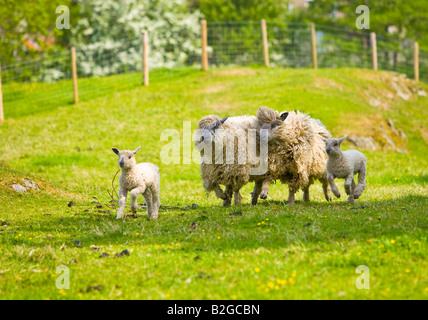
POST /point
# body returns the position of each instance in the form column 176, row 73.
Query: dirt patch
column 325, row 83
column 235, row 72
column 220, row 107
column 213, row 88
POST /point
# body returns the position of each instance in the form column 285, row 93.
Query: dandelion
column 257, row 269
column 263, row 222
column 415, row 242
column 359, row 253
column 407, row 270
column 293, row 274
column 30, row 238
column 277, row 287
column 267, row 290
column 137, row 234
column 177, row 244
column 370, row 240
column 426, row 289
column 20, row 235
column 392, row 241
column 291, row 281
column 267, row 219
column 203, row 230
column 218, row 237
column 62, row 291
column 283, row 282
column 270, row 284
column 387, row 289
column 258, row 223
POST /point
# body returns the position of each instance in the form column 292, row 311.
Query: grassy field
column 271, row 251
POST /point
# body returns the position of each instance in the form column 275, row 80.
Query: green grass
column 272, row 251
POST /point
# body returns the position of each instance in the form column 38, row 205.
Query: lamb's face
column 126, row 158
column 333, row 146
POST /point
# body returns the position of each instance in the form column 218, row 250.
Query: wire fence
column 46, row 83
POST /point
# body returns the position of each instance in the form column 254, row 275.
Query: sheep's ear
column 136, row 150
column 324, row 139
column 284, row 115
column 115, row 150
column 223, row 120
column 341, row 139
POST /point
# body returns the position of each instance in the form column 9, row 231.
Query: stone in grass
column 236, row 213
column 104, row 255
column 94, row 288
column 71, row 204
column 94, row 248
column 18, row 188
column 123, row 253
column 77, row 243
column 31, row 184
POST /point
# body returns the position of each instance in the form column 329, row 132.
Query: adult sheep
column 228, row 154
column 297, row 154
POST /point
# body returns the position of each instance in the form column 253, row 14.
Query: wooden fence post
column 1, row 101
column 74, row 74
column 314, row 46
column 145, row 35
column 204, row 45
column 374, row 49
column 265, row 42
column 416, row 62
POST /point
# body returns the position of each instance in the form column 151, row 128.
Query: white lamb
column 344, row 165
column 142, row 178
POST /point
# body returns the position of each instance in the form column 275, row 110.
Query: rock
column 71, row 203
column 422, row 93
column 94, row 248
column 18, row 188
column 194, row 206
column 401, row 91
column 104, row 255
column 363, row 142
column 236, row 213
column 31, row 184
column 77, row 243
column 94, row 288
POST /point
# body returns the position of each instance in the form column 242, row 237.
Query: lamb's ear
column 115, row 150
column 284, row 115
column 136, row 150
column 223, row 120
column 341, row 139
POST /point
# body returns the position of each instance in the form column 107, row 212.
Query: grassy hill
column 272, row 251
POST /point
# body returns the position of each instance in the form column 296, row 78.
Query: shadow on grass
column 310, row 223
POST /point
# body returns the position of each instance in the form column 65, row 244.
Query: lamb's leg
column 256, row 192
column 155, row 203
column 265, row 188
column 228, row 193
column 361, row 181
column 348, row 188
column 333, row 186
column 306, row 193
column 122, row 202
column 148, row 198
column 134, row 194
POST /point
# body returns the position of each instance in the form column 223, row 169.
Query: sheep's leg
column 148, row 198
column 228, row 192
column 265, row 188
column 291, row 193
column 325, row 188
column 238, row 198
column 306, row 193
column 122, row 202
column 155, row 203
column 134, row 194
column 256, row 192
column 333, row 186
column 218, row 191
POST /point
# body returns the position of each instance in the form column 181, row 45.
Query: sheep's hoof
column 356, row 197
column 290, row 204
column 263, row 196
column 254, row 202
column 226, row 203
column 153, row 217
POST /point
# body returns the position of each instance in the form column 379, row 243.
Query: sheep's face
column 333, row 146
column 126, row 157
column 208, row 134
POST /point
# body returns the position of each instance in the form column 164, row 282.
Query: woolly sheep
column 215, row 133
column 297, row 154
column 344, row 165
column 142, row 178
